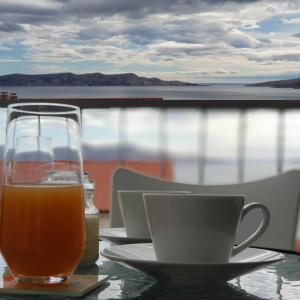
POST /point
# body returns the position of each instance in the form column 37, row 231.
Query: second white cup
column 133, row 211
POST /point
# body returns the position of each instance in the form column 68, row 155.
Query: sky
column 190, row 40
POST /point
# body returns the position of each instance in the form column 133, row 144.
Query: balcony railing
column 212, row 141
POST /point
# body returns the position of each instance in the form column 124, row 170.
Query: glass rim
column 71, row 109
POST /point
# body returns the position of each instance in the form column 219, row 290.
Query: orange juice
column 42, row 229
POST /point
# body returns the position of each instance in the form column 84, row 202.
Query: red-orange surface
column 101, row 172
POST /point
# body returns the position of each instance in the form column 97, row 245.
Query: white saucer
column 142, row 257
column 119, row 236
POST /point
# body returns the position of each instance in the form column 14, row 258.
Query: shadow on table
column 213, row 292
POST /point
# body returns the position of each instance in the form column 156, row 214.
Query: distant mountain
column 89, row 79
column 290, row 83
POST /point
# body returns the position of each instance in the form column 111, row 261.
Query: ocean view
column 212, row 92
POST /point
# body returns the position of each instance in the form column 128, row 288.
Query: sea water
column 212, row 92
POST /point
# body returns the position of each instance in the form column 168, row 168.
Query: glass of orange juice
column 42, row 235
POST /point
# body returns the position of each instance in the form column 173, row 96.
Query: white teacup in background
column 198, row 228
column 133, row 211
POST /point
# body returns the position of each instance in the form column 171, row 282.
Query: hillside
column 90, row 79
column 291, row 83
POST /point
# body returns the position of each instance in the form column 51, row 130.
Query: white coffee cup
column 133, row 211
column 198, row 228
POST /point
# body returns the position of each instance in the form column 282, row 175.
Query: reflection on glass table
column 278, row 281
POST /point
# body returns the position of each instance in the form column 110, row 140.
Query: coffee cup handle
column 259, row 231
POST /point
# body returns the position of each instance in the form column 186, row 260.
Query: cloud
column 239, row 39
column 226, row 72
column 210, row 72
column 4, row 48
column 173, row 39
column 142, row 8
column 8, row 59
column 30, row 11
column 28, row 7
column 287, row 57
column 290, row 57
column 250, row 26
column 10, row 27
column 47, row 69
column 291, row 21
column 176, row 49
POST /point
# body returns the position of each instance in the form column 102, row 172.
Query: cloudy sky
column 191, row 40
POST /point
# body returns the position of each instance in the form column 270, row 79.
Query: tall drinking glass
column 42, row 235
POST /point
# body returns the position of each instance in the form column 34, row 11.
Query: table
column 279, row 281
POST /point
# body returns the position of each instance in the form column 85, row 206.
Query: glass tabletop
column 280, row 281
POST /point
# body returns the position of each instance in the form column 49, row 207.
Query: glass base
column 42, row 279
